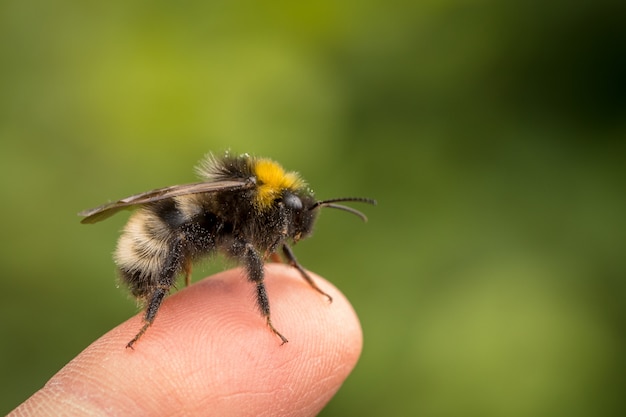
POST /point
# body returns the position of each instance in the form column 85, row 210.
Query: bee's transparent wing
column 107, row 210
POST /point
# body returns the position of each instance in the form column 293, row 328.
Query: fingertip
column 210, row 347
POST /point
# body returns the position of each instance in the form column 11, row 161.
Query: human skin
column 209, row 352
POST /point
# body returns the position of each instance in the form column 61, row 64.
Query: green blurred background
column 490, row 280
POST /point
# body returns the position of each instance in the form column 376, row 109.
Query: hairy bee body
column 247, row 209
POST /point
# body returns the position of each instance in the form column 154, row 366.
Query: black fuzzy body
column 162, row 239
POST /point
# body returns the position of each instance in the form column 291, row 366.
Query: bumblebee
column 245, row 207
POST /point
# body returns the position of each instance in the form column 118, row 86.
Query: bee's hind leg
column 156, row 299
column 175, row 262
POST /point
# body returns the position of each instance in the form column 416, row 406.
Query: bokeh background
column 490, row 280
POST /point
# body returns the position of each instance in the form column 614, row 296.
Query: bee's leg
column 156, row 298
column 165, row 279
column 253, row 263
column 291, row 258
column 274, row 257
column 187, row 268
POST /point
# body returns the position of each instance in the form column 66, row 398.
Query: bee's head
column 297, row 202
column 275, row 185
column 304, row 209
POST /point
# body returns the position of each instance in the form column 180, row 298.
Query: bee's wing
column 107, row 210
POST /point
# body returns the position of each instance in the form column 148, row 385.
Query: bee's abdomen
column 149, row 252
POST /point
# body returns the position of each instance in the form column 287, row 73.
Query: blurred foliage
column 490, row 280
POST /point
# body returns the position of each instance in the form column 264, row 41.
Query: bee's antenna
column 330, row 203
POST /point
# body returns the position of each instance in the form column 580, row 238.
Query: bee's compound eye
column 292, row 201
